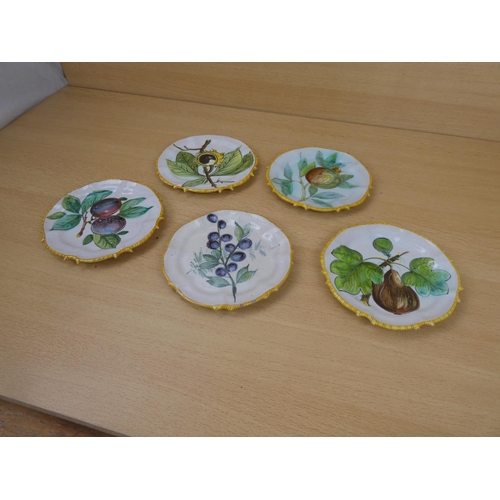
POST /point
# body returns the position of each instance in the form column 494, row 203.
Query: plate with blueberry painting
column 319, row 179
column 102, row 220
column 206, row 164
column 227, row 259
column 394, row 277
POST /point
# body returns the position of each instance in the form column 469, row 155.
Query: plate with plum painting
column 319, row 179
column 206, row 164
column 102, row 220
column 227, row 259
column 394, row 277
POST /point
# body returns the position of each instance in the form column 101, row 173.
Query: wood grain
column 453, row 98
column 20, row 421
column 112, row 345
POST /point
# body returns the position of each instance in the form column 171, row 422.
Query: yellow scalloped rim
column 309, row 207
column 213, row 190
column 113, row 255
column 230, row 307
column 375, row 322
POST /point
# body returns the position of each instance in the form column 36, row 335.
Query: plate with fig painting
column 319, row 179
column 102, row 220
column 394, row 277
column 227, row 259
column 206, row 163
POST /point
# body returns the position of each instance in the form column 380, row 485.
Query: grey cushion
column 24, row 85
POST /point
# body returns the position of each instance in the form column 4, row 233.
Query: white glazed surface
column 351, row 166
column 192, row 238
column 66, row 242
column 361, row 238
column 220, row 143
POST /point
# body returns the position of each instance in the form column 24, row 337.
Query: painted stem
column 85, row 222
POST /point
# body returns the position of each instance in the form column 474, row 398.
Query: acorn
column 106, row 207
column 393, row 296
column 325, row 178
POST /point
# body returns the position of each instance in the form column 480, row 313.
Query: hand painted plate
column 102, row 220
column 227, row 259
column 206, row 164
column 319, row 179
column 395, row 278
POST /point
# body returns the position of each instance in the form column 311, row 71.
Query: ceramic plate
column 397, row 279
column 206, row 163
column 102, row 220
column 319, row 179
column 227, row 259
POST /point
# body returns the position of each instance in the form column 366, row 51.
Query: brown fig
column 325, row 178
column 393, row 296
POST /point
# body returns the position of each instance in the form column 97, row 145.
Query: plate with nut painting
column 206, row 164
column 319, row 179
column 102, row 220
column 394, row 277
column 227, row 260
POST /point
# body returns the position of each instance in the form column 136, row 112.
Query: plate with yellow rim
column 102, row 220
column 394, row 277
column 206, row 164
column 227, row 259
column 324, row 180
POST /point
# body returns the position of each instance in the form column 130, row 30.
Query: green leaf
column 302, row 163
column 187, row 159
column 320, row 160
column 217, row 254
column 123, row 233
column 346, row 254
column 230, row 163
column 123, row 198
column 195, row 182
column 88, row 239
column 288, row 172
column 354, row 275
column 245, row 163
column 94, row 197
column 238, row 232
column 286, row 188
column 321, row 203
column 383, row 245
column 71, row 203
column 208, row 265
column 244, row 275
column 331, row 160
column 106, row 241
column 131, row 203
column 328, row 196
column 312, row 189
column 346, row 177
column 67, row 222
column 56, row 215
column 183, row 169
column 277, row 181
column 218, row 282
column 346, row 185
column 425, row 279
column 134, row 212
column 211, row 258
column 307, row 168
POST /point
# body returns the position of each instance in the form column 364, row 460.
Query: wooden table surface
column 110, row 344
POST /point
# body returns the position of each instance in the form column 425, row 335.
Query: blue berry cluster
column 218, row 241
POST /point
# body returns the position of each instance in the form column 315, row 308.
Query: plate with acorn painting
column 227, row 259
column 319, row 179
column 206, row 164
column 394, row 277
column 102, row 220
